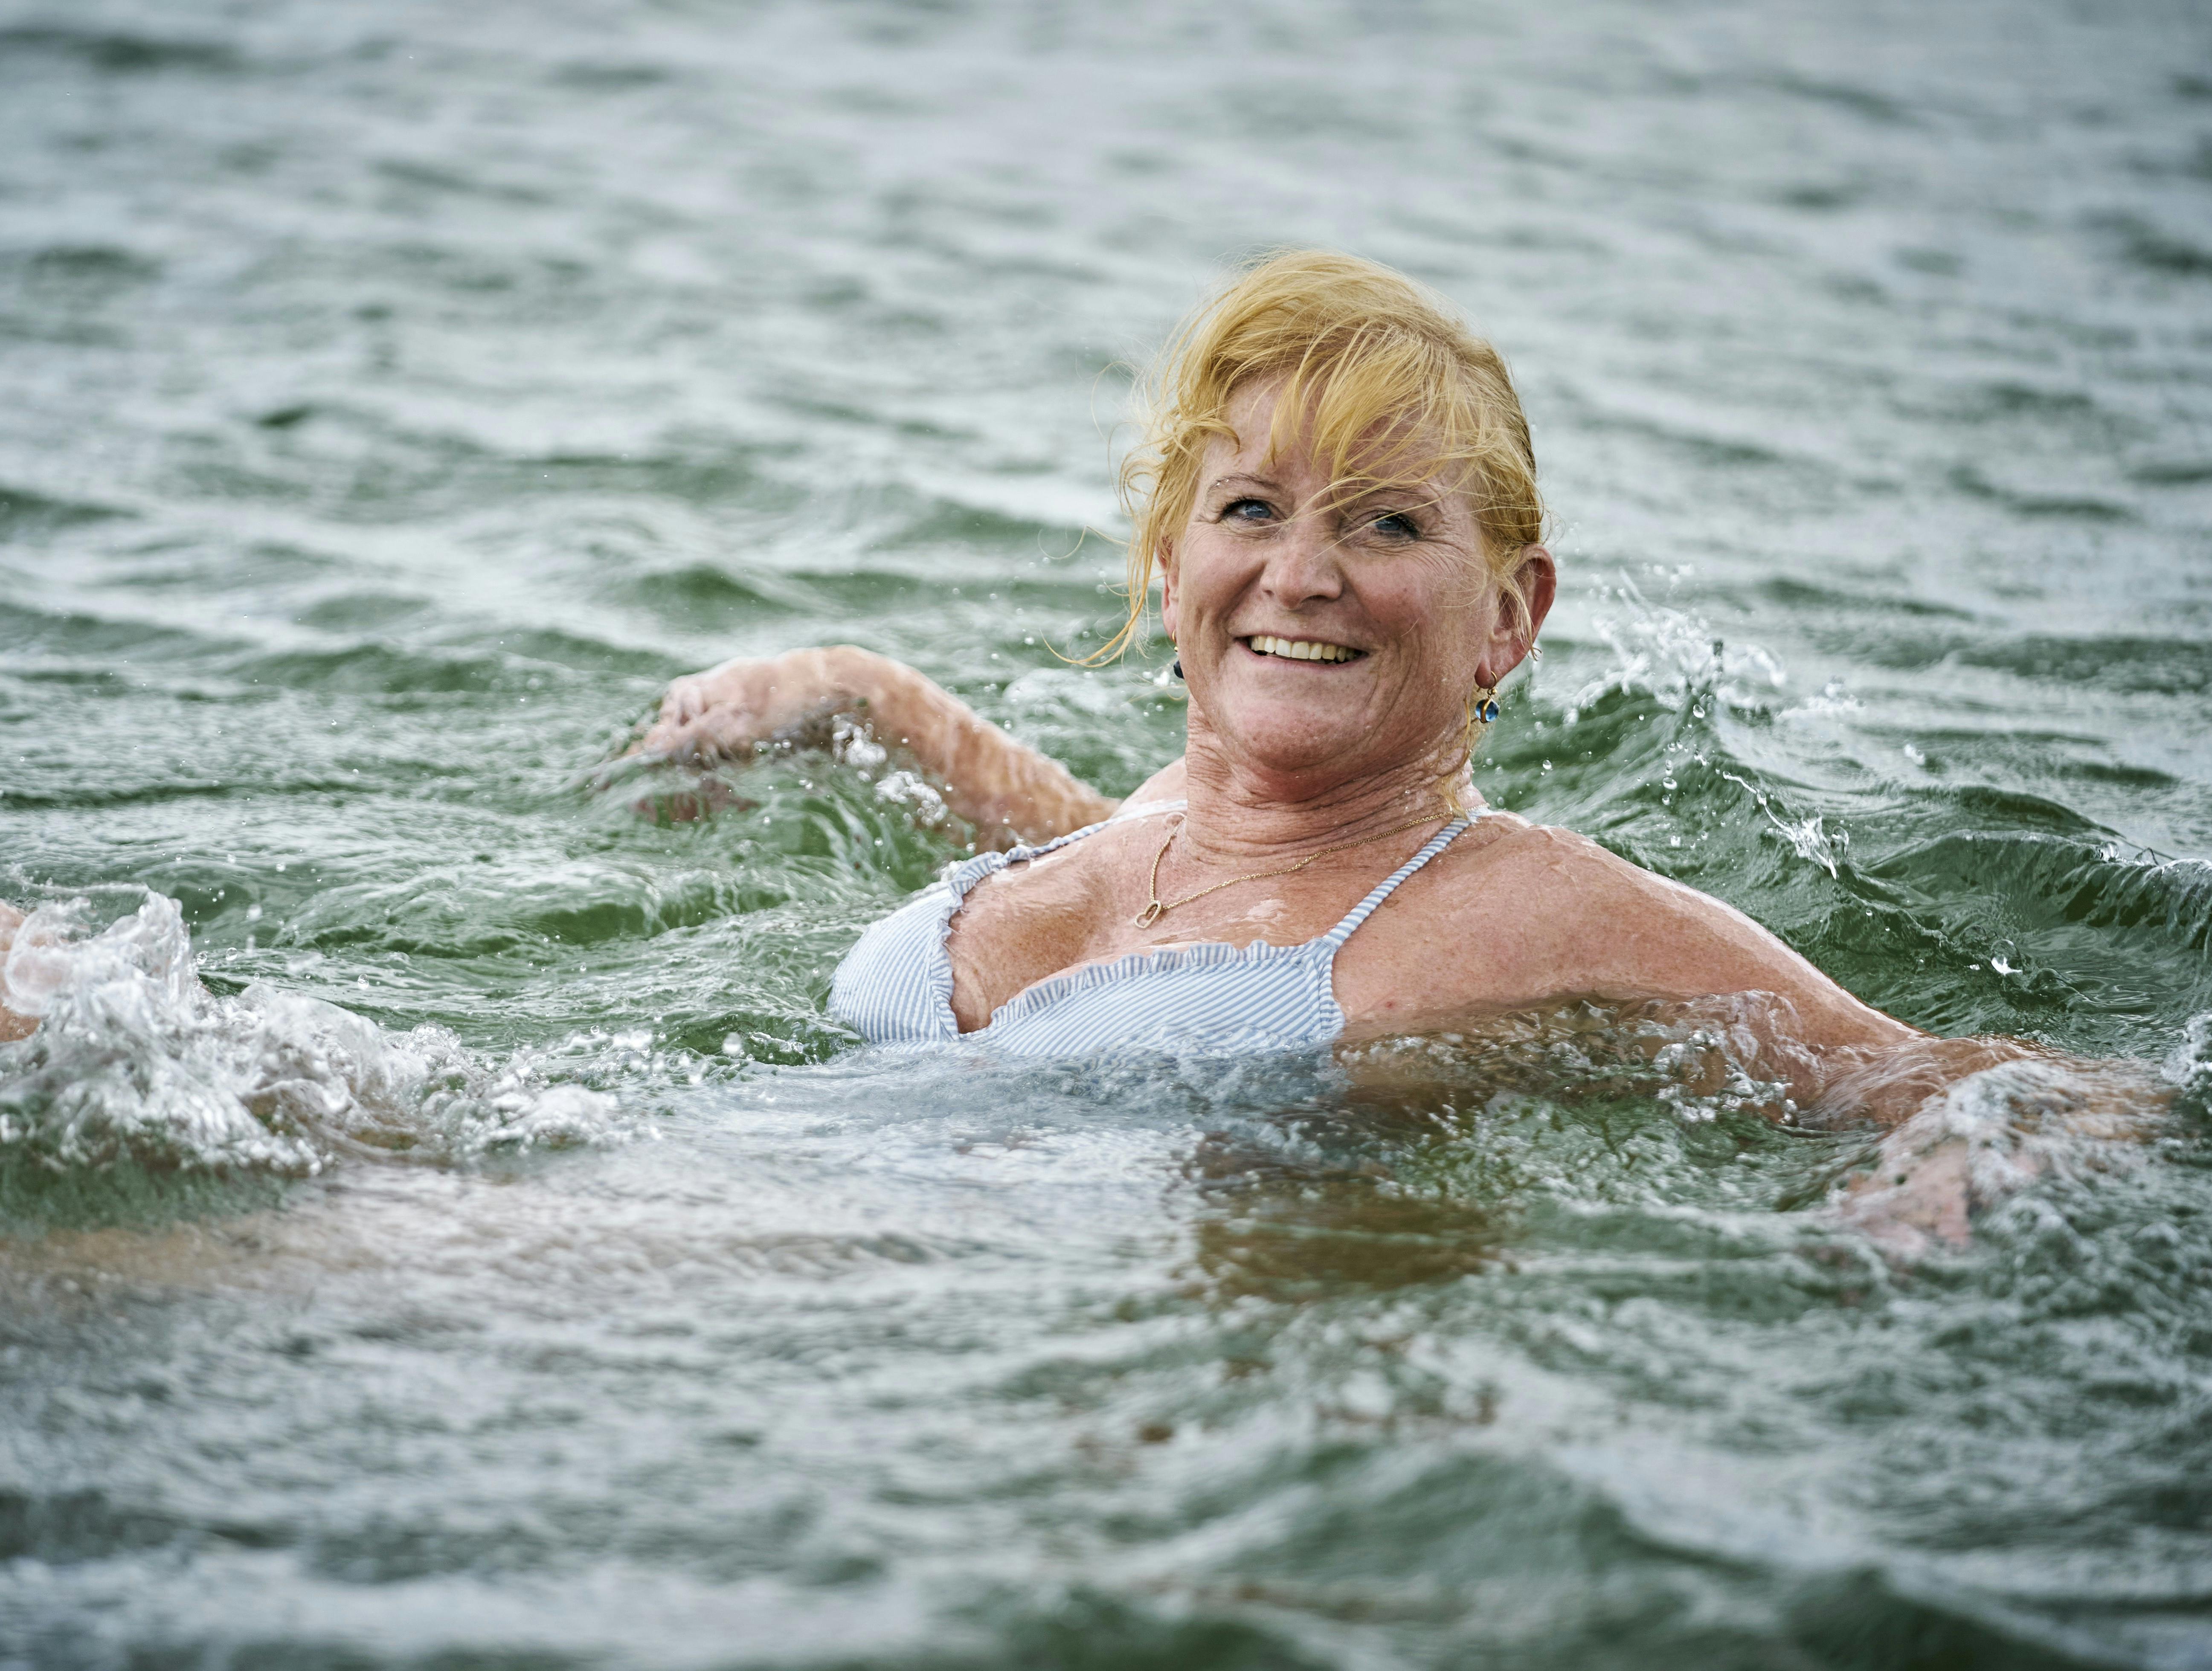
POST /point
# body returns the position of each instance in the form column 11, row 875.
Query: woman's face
column 1329, row 638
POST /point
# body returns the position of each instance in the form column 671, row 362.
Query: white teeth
column 1300, row 649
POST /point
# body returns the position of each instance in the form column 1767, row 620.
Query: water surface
column 508, row 1262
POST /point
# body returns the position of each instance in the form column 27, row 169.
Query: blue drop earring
column 1178, row 668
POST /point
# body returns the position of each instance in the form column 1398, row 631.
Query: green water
column 508, row 1262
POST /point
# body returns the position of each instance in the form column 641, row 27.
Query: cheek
column 1451, row 631
column 1200, row 585
column 1437, row 615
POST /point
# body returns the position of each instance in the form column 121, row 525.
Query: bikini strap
column 1436, row 844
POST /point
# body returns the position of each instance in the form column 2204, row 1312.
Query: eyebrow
column 1239, row 475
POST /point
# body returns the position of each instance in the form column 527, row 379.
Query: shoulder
column 1520, row 915
column 1561, row 913
column 1576, row 885
column 1512, row 915
column 1505, row 848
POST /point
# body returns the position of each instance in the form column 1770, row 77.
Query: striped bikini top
column 895, row 987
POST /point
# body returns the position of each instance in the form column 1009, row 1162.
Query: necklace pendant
column 1151, row 915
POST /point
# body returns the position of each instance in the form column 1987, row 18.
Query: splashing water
column 1672, row 656
column 1987, row 1137
column 134, row 1060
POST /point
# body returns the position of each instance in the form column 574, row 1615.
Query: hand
column 1986, row 1135
column 724, row 712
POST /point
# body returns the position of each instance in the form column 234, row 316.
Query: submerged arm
column 993, row 782
column 1585, row 925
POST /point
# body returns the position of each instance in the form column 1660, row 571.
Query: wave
column 703, row 593
column 24, row 514
column 2132, row 663
column 76, row 643
column 2051, row 881
column 976, row 527
column 134, row 1063
column 378, row 666
column 2153, row 249
column 120, row 51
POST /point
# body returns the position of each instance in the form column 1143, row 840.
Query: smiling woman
column 1337, row 490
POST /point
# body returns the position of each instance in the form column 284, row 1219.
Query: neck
column 1242, row 811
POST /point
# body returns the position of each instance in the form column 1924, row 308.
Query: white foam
column 134, row 1060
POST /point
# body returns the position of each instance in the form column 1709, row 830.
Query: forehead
column 1251, row 411
column 1251, row 414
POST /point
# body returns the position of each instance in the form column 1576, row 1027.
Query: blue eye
column 1246, row 510
column 1398, row 524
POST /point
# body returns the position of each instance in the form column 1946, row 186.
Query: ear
column 1168, row 614
column 1540, row 584
column 1539, row 578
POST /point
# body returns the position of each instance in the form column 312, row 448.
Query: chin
column 1296, row 744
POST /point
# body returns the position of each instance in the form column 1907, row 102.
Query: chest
column 1083, row 904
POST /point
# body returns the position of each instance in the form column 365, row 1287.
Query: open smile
column 1300, row 649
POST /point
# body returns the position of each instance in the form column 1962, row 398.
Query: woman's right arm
column 987, row 778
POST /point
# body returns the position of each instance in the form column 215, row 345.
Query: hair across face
column 1379, row 378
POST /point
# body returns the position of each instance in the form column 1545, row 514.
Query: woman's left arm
column 1598, row 926
column 1967, row 1119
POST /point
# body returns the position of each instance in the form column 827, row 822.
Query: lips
column 1300, row 649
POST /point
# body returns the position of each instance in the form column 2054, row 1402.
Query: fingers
column 686, row 699
column 697, row 710
column 1913, row 1200
column 723, row 712
column 754, row 685
column 720, row 733
column 1986, row 1135
column 12, row 1025
column 726, row 709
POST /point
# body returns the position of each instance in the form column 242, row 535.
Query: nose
column 1303, row 563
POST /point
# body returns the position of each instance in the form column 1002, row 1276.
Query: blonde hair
column 1392, row 387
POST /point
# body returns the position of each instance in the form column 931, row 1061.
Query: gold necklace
column 1159, row 907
